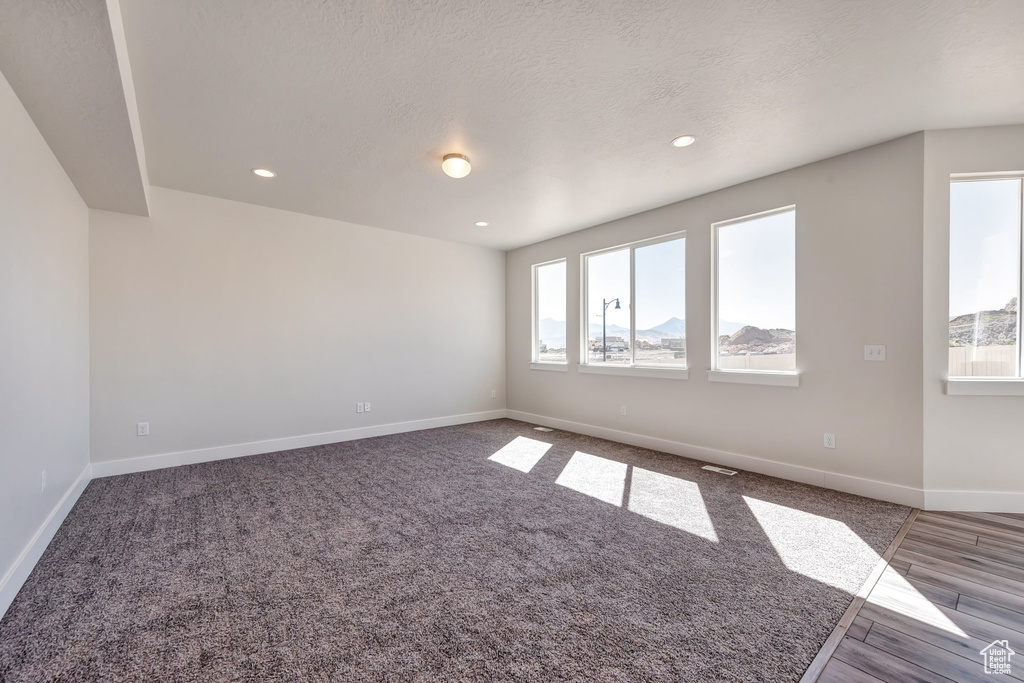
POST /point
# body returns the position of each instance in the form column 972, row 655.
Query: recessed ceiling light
column 264, row 172
column 481, row 224
column 684, row 141
column 456, row 165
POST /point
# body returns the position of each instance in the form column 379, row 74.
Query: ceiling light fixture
column 456, row 165
column 684, row 141
column 264, row 172
column 481, row 224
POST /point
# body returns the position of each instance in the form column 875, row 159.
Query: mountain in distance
column 552, row 332
column 985, row 328
column 612, row 330
column 730, row 328
column 673, row 327
column 751, row 340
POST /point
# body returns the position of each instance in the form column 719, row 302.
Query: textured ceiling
column 66, row 60
column 566, row 107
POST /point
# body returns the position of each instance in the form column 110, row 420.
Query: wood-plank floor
column 954, row 585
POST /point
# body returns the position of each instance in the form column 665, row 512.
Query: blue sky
column 984, row 247
column 757, row 266
column 551, row 286
column 757, row 271
column 660, row 284
column 757, row 274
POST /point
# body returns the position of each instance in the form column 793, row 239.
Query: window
column 549, row 312
column 635, row 305
column 985, row 277
column 755, row 293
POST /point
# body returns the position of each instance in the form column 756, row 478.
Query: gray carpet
column 415, row 557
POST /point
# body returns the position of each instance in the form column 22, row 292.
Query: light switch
column 874, row 352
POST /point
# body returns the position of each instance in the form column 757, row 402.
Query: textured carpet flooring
column 420, row 557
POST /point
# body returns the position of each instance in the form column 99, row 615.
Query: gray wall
column 44, row 331
column 224, row 323
column 859, row 281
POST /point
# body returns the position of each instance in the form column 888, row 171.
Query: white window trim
column 766, row 377
column 631, row 369
column 788, row 378
column 550, row 365
column 974, row 386
column 634, row 371
column 995, row 386
column 535, row 317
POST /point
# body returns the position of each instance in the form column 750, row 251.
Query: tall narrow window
column 549, row 312
column 985, row 277
column 755, row 293
column 635, row 304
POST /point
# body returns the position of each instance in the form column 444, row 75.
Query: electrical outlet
column 830, row 441
column 360, row 407
column 494, row 393
column 142, row 429
column 367, row 408
column 622, row 410
column 42, row 481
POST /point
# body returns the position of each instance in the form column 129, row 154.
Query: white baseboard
column 987, row 501
column 974, row 501
column 880, row 490
column 868, row 488
column 16, row 576
column 111, row 468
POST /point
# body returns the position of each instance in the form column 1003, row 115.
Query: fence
column 983, row 361
column 782, row 361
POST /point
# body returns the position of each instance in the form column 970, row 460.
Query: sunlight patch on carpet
column 521, row 453
column 808, row 543
column 595, row 476
column 672, row 501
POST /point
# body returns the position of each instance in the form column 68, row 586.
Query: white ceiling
column 566, row 107
column 66, row 62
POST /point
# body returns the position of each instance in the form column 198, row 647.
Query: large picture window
column 755, row 293
column 985, row 277
column 634, row 311
column 549, row 312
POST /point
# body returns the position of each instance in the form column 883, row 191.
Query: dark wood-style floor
column 954, row 585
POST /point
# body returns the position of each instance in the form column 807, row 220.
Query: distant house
column 614, row 344
column 675, row 344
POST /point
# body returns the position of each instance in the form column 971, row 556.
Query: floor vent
column 543, row 429
column 720, row 470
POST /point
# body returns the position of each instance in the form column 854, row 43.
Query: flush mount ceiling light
column 481, row 224
column 456, row 165
column 684, row 141
column 264, row 172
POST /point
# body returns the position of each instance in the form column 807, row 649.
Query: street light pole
column 604, row 325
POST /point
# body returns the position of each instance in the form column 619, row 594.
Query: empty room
column 486, row 341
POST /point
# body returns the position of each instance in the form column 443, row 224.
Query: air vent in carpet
column 720, row 470
column 544, row 429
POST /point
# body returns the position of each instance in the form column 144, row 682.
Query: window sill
column 1012, row 386
column 777, row 379
column 634, row 371
column 550, row 367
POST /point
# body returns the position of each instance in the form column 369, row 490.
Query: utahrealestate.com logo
column 997, row 657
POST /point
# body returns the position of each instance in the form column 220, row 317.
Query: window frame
column 535, row 325
column 968, row 385
column 632, row 368
column 788, row 378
